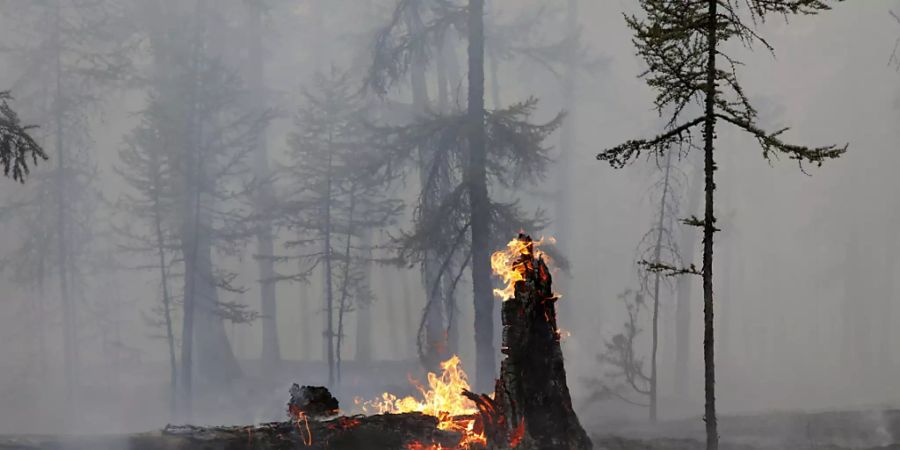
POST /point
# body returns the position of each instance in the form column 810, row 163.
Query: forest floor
column 850, row 430
column 138, row 404
column 845, row 430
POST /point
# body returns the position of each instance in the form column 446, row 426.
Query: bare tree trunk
column 445, row 63
column 567, row 147
column 203, row 328
column 495, row 82
column 709, row 223
column 343, row 306
column 686, row 245
column 657, row 254
column 167, row 299
column 407, row 318
column 189, row 243
column 434, row 341
column 364, row 309
column 329, row 293
column 70, row 337
column 271, row 353
column 476, row 179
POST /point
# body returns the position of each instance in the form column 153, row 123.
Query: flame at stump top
column 515, row 261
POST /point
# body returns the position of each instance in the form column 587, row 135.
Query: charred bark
column 532, row 401
column 382, row 432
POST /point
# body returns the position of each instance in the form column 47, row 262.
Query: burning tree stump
column 532, row 408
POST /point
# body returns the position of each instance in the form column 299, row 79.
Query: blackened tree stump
column 532, row 406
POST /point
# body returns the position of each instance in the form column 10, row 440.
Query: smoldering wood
column 313, row 401
column 380, row 432
column 532, row 407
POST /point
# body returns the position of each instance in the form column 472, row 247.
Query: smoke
column 806, row 268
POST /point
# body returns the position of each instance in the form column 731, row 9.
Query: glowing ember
column 512, row 263
column 302, row 423
column 420, row 446
column 442, row 399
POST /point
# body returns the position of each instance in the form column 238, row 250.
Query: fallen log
column 379, row 432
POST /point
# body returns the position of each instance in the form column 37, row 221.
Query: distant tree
column 683, row 43
column 659, row 248
column 687, row 244
column 475, row 176
column 459, row 155
column 150, row 214
column 66, row 56
column 627, row 379
column 255, row 12
column 335, row 196
column 418, row 32
column 196, row 107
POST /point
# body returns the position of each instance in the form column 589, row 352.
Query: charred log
column 381, row 432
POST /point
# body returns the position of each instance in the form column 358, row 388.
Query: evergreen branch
column 771, row 143
column 621, row 155
column 669, row 270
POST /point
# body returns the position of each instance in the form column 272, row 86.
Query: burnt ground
column 857, row 430
column 140, row 406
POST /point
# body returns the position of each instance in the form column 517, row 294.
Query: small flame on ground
column 509, row 265
column 442, row 399
column 303, row 422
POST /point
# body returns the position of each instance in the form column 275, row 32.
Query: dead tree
column 532, row 408
column 628, row 380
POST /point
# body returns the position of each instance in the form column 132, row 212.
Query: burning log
column 379, row 432
column 532, row 408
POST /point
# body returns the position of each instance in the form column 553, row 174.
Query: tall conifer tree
column 683, row 44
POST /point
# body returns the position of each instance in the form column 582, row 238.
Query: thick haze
column 806, row 273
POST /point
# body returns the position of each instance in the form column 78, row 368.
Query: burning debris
column 443, row 399
column 315, row 402
column 532, row 408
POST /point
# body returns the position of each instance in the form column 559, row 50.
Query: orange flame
column 303, row 422
column 516, row 438
column 442, row 399
column 510, row 265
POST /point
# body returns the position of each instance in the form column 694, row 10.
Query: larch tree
column 417, row 34
column 196, row 105
column 148, row 229
column 66, row 55
column 683, row 45
column 470, row 152
column 659, row 248
column 255, row 74
column 475, row 180
column 334, row 197
column 626, row 378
